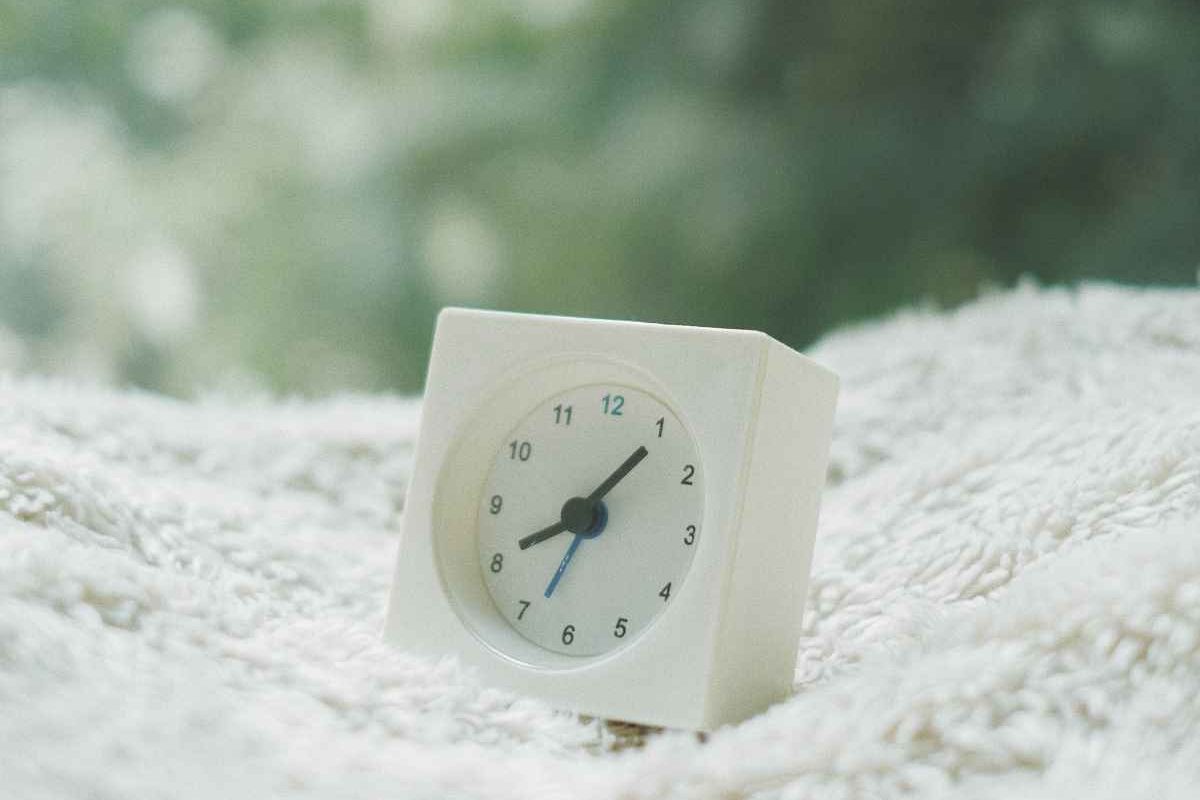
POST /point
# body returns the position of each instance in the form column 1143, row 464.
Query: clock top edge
column 454, row 313
column 454, row 317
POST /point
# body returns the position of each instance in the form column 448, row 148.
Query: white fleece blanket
column 1005, row 598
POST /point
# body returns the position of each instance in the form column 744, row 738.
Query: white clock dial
column 602, row 484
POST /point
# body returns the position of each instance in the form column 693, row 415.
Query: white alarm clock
column 616, row 517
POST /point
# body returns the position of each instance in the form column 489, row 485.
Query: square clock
column 616, row 517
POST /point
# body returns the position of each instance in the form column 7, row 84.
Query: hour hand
column 542, row 535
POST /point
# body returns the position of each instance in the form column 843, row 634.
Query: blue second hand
column 562, row 567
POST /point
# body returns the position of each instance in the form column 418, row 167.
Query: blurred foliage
column 283, row 194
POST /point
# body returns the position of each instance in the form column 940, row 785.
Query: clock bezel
column 463, row 477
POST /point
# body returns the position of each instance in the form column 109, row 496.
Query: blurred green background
column 280, row 195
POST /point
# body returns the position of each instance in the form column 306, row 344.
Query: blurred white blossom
column 63, row 170
column 162, row 292
column 462, row 252
column 173, row 54
column 303, row 95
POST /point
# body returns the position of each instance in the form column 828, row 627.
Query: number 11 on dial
column 589, row 518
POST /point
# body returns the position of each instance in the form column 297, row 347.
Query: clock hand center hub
column 584, row 517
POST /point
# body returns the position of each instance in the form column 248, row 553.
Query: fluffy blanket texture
column 1005, row 598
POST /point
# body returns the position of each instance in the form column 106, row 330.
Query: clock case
column 761, row 414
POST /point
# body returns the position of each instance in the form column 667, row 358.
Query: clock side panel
column 776, row 532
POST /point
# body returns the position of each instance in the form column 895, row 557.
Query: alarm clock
column 616, row 517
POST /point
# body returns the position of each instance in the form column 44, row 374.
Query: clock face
column 589, row 518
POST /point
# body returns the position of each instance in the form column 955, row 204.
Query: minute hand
column 619, row 473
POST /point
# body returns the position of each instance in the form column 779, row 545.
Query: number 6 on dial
column 616, row 517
